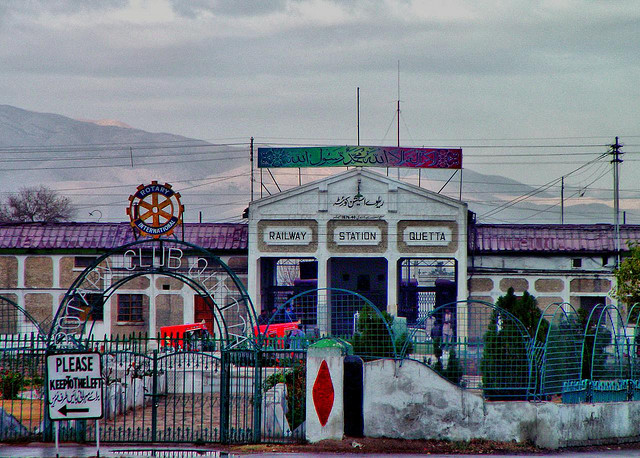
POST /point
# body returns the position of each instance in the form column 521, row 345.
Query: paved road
column 48, row 450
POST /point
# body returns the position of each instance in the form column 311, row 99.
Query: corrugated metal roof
column 100, row 236
column 486, row 238
column 550, row 237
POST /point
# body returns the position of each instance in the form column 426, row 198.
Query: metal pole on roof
column 562, row 202
column 251, row 161
column 615, row 151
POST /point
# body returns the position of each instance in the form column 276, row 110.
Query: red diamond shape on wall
column 323, row 393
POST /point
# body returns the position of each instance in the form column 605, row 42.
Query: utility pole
column 251, row 161
column 616, row 153
column 562, row 202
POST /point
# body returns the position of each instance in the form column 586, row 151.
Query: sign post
column 74, row 387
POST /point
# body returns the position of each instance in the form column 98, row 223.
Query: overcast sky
column 536, row 74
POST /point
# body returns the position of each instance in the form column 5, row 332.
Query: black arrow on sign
column 64, row 409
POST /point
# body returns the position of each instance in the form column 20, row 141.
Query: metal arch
column 603, row 311
column 633, row 344
column 366, row 303
column 559, row 306
column 243, row 299
column 564, row 310
column 108, row 292
column 30, row 318
column 527, row 340
column 421, row 323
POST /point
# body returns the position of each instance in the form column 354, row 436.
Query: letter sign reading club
column 74, row 386
column 287, row 235
column 427, row 236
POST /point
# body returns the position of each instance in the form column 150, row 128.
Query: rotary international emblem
column 155, row 209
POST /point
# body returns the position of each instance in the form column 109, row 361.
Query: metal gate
column 155, row 393
column 263, row 395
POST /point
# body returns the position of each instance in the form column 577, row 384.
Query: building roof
column 101, row 236
column 484, row 238
column 588, row 238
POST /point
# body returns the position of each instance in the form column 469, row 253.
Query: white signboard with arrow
column 74, row 386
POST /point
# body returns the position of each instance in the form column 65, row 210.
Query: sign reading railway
column 74, row 386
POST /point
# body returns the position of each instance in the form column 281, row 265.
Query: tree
column 506, row 363
column 36, row 204
column 628, row 279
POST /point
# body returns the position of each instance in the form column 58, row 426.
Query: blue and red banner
column 360, row 156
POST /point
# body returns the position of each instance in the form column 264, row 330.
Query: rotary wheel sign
column 155, row 209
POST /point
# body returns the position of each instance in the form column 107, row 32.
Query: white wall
column 411, row 401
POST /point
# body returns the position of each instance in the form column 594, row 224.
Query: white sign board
column 427, row 236
column 288, row 235
column 357, row 235
column 74, row 386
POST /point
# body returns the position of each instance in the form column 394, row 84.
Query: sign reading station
column 74, row 386
column 288, row 235
column 357, row 235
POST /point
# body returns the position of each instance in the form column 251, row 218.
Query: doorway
column 365, row 276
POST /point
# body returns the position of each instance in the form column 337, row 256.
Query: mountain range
column 99, row 163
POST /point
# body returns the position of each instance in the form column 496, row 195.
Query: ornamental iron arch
column 475, row 345
column 605, row 347
column 632, row 328
column 15, row 320
column 232, row 314
column 330, row 312
column 559, row 337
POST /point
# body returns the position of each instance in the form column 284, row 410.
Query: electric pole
column 616, row 161
column 251, row 162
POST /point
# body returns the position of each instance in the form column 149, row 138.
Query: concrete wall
column 411, row 401
column 551, row 279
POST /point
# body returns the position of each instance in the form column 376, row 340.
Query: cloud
column 289, row 69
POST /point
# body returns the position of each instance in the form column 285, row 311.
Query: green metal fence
column 263, row 395
column 22, row 374
column 166, row 390
column 253, row 390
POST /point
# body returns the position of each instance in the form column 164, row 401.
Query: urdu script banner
column 360, row 156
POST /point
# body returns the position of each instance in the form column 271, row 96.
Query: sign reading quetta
column 427, row 236
column 360, row 156
column 74, row 386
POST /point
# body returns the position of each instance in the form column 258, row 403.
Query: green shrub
column 505, row 364
column 295, row 379
column 11, row 383
column 373, row 338
column 454, row 371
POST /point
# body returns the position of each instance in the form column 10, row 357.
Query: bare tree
column 39, row 204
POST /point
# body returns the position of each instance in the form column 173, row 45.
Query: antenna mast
column 398, row 112
column 358, row 113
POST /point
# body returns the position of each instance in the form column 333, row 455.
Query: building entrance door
column 365, row 276
column 202, row 311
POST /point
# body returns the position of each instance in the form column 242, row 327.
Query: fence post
column 224, row 396
column 154, row 397
column 257, row 397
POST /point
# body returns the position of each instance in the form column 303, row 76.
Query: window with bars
column 130, row 307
